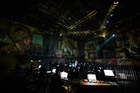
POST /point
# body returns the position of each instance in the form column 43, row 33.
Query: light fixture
column 103, row 34
column 111, row 15
column 116, row 3
column 113, row 35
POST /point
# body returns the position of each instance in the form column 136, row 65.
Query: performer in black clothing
column 127, row 53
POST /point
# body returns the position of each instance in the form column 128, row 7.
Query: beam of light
column 105, row 42
column 87, row 17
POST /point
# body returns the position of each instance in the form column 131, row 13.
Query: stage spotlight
column 113, row 35
column 111, row 15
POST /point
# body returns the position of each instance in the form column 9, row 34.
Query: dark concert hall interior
column 70, row 46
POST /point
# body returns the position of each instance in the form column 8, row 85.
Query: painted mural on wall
column 68, row 47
